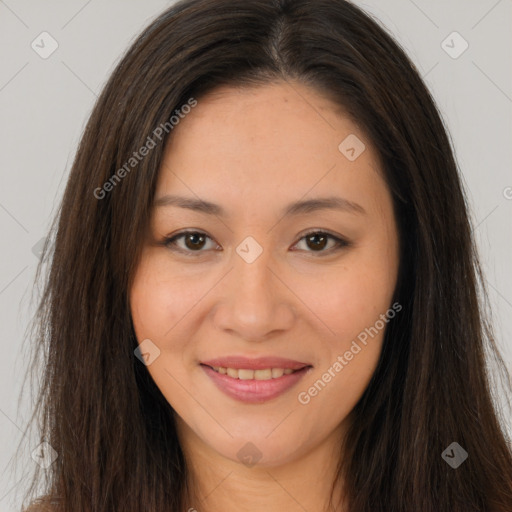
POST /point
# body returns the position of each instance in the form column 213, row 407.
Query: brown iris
column 318, row 241
column 194, row 241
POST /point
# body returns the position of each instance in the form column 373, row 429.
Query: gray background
column 44, row 104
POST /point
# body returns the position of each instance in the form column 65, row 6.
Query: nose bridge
column 252, row 275
column 253, row 282
column 254, row 302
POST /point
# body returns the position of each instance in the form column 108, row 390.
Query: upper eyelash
column 339, row 241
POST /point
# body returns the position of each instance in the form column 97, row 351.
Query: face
column 264, row 323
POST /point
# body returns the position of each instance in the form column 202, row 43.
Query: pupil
column 316, row 244
column 195, row 239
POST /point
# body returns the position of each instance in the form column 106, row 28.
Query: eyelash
column 171, row 241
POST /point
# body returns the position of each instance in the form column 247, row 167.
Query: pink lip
column 252, row 390
column 259, row 363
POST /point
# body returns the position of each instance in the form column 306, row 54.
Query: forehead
column 283, row 118
column 281, row 138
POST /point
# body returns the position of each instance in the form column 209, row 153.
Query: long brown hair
column 98, row 407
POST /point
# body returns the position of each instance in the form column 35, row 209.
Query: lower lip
column 254, row 391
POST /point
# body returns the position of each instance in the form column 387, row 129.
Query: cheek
column 351, row 297
column 160, row 299
column 352, row 307
column 159, row 304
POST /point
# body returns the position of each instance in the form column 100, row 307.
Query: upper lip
column 258, row 363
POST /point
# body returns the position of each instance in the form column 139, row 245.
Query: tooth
column 232, row 372
column 263, row 374
column 277, row 372
column 248, row 374
column 244, row 374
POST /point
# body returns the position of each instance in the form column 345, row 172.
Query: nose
column 254, row 303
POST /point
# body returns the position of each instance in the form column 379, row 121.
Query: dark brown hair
column 98, row 407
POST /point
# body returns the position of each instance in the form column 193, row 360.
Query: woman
column 264, row 291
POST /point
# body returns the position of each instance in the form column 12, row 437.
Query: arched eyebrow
column 296, row 208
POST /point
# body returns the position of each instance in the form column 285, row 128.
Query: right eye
column 188, row 242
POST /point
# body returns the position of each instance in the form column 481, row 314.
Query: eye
column 317, row 241
column 194, row 241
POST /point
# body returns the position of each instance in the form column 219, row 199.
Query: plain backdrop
column 44, row 104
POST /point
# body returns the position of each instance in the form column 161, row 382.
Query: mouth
column 254, row 380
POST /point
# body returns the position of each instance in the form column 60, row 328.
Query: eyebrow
column 296, row 208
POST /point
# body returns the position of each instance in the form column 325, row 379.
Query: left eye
column 195, row 241
column 318, row 241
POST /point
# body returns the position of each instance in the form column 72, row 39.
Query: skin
column 253, row 151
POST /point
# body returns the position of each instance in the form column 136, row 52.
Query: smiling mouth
column 258, row 384
column 248, row 374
